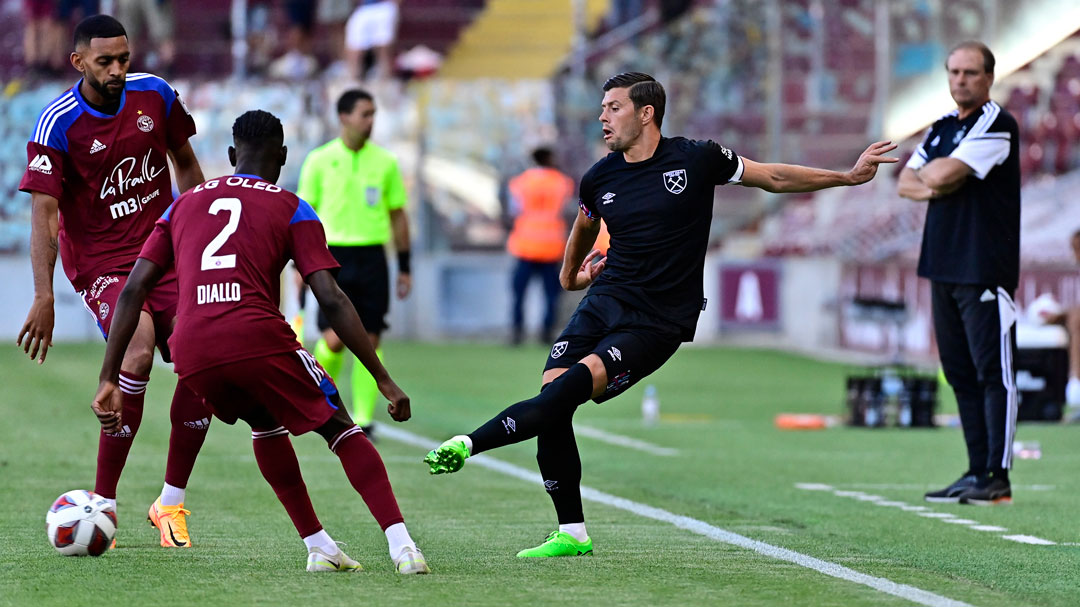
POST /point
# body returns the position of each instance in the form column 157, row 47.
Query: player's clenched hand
column 399, row 408
column 588, row 271
column 867, row 165
column 37, row 330
column 107, row 407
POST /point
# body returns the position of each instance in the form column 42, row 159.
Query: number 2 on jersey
column 210, row 261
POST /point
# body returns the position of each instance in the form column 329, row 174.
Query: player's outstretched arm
column 107, row 404
column 44, row 245
column 188, row 172
column 347, row 324
column 578, row 270
column 788, row 178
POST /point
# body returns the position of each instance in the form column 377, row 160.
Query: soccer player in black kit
column 656, row 196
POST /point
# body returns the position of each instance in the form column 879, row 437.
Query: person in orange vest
column 538, row 199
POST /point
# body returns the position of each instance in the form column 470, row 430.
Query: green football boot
column 447, row 457
column 559, row 543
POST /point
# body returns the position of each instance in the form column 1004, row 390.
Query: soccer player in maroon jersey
column 229, row 239
column 98, row 179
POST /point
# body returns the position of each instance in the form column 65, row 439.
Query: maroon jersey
column 109, row 172
column 229, row 238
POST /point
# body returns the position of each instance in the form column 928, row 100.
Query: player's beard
column 621, row 144
column 110, row 94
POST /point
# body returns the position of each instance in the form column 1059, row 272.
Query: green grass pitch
column 733, row 470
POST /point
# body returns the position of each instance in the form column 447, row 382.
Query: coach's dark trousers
column 975, row 327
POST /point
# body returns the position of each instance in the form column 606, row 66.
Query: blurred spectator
column 297, row 63
column 1070, row 319
column 158, row 19
column 372, row 27
column 66, row 9
column 623, row 11
column 538, row 200
column 260, row 36
column 332, row 15
column 42, row 38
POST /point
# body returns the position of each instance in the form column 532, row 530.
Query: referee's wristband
column 404, row 262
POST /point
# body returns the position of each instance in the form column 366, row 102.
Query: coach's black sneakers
column 992, row 491
column 951, row 494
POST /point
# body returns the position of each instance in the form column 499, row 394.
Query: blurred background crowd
column 467, row 89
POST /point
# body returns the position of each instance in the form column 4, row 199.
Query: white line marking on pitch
column 910, row 593
column 925, row 512
column 1028, row 539
column 623, row 441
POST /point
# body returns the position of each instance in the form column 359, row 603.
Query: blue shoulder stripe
column 150, row 82
column 168, row 211
column 60, row 113
column 304, row 212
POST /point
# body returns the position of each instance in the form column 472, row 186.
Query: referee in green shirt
column 355, row 187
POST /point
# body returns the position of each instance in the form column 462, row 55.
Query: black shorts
column 632, row 343
column 365, row 279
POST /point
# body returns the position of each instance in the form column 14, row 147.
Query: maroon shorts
column 100, row 300
column 291, row 386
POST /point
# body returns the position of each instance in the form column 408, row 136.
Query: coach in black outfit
column 968, row 169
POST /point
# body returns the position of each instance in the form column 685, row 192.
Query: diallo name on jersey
column 218, row 292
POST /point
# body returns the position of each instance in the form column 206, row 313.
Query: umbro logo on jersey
column 675, row 181
column 608, row 198
column 614, row 353
column 96, row 147
column 41, row 164
column 510, row 425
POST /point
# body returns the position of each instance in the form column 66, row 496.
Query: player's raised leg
column 552, row 407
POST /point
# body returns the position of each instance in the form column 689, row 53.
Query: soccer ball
column 81, row 523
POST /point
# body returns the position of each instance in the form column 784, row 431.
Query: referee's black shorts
column 631, row 343
column 365, row 279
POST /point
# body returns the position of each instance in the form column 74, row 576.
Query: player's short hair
column 347, row 102
column 644, row 90
column 975, row 45
column 543, row 156
column 97, row 26
column 258, row 128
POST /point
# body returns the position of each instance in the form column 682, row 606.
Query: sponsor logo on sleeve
column 675, row 181
column 608, row 198
column 41, row 164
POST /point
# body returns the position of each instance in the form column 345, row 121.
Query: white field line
column 910, row 593
column 623, row 441
column 923, row 511
column 914, row 487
